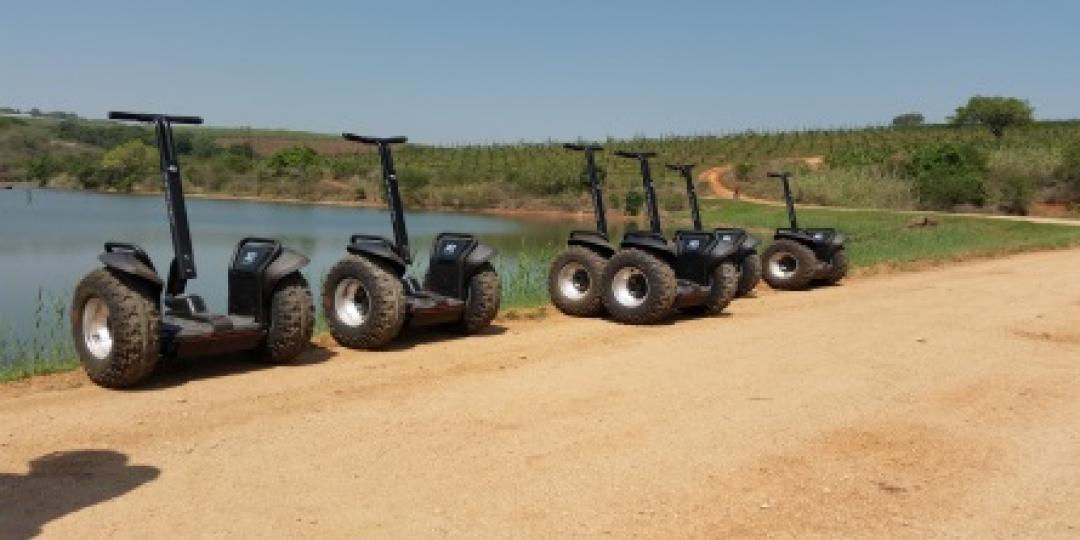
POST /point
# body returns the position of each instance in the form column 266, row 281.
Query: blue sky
column 446, row 72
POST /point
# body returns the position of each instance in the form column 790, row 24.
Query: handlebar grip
column 778, row 174
column 183, row 119
column 635, row 155
column 148, row 117
column 680, row 167
column 373, row 140
column 583, row 147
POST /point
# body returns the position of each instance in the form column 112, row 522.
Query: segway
column 798, row 256
column 575, row 277
column 747, row 259
column 125, row 318
column 650, row 276
column 368, row 299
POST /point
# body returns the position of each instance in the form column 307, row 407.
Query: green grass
column 48, row 349
column 881, row 237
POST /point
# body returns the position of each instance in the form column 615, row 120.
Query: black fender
column 651, row 243
column 480, row 255
column 823, row 241
column 592, row 240
column 378, row 249
column 287, row 262
column 721, row 251
column 132, row 261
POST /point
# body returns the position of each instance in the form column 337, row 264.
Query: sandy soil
column 941, row 404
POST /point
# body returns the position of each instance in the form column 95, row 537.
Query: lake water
column 50, row 239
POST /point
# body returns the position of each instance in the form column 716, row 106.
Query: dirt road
column 942, row 404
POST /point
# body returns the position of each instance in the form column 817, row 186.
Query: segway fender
column 128, row 263
column 287, row 262
column 379, row 251
column 476, row 258
column 750, row 243
column 721, row 251
column 591, row 240
column 651, row 243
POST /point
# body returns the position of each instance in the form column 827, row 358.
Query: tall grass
column 47, row 348
column 524, row 277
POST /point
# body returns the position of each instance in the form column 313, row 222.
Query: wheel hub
column 783, row 265
column 574, row 282
column 95, row 328
column 630, row 287
column 352, row 303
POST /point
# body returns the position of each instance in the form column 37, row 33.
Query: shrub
column 858, row 157
column 743, row 170
column 1015, row 194
column 297, row 157
column 1069, row 171
column 127, row 164
column 948, row 174
column 633, row 203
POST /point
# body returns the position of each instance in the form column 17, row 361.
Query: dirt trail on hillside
column 942, row 404
column 723, row 186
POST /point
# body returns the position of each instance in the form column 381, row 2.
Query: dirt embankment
column 942, row 404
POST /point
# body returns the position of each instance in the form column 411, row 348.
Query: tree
column 128, row 163
column 994, row 112
column 911, row 119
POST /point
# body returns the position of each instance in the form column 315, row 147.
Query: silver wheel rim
column 783, row 265
column 352, row 303
column 630, row 287
column 574, row 282
column 95, row 328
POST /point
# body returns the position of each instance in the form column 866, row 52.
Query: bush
column 1069, row 171
column 297, row 157
column 858, row 157
column 1015, row 194
column 948, row 175
column 633, row 203
column 743, row 170
column 127, row 164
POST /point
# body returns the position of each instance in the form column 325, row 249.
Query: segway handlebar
column 683, row 168
column 150, row 117
column 635, row 155
column 778, row 174
column 374, row 140
column 583, row 147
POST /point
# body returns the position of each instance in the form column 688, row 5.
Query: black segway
column 368, row 299
column 747, row 259
column 799, row 256
column 575, row 277
column 116, row 316
column 649, row 276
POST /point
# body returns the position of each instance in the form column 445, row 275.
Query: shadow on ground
column 174, row 372
column 412, row 337
column 64, row 482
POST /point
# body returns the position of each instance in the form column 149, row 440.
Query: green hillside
column 933, row 166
